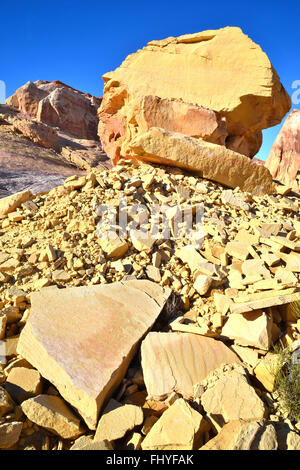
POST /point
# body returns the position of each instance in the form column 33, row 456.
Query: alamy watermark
column 296, row 94
column 151, row 221
column 2, row 92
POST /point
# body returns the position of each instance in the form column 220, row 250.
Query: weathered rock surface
column 284, row 158
column 250, row 329
column 9, row 434
column 25, row 164
column 180, row 427
column 210, row 161
column 231, row 397
column 86, row 443
column 51, row 413
column 88, row 371
column 240, row 435
column 116, row 420
column 71, row 111
column 221, row 70
column 23, row 383
column 175, row 362
column 37, row 132
column 10, row 203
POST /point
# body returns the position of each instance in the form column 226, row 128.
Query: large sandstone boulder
column 83, row 339
column 59, row 105
column 190, row 83
column 175, row 362
column 284, row 158
column 208, row 160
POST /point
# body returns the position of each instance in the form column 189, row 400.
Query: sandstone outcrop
column 72, row 112
column 284, row 158
column 59, row 105
column 166, row 355
column 230, row 397
column 210, row 161
column 180, row 427
column 88, row 371
column 197, row 80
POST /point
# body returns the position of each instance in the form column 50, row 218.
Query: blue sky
column 77, row 41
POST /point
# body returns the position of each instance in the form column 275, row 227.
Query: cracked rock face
column 194, row 80
column 86, row 368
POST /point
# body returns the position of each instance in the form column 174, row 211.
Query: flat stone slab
column 175, row 362
column 280, row 299
column 82, row 339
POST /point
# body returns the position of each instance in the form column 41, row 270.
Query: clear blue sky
column 77, row 41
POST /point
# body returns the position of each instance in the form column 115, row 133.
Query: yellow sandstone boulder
column 208, row 160
column 214, row 85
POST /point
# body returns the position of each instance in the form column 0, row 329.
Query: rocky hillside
column 154, row 304
column 216, row 304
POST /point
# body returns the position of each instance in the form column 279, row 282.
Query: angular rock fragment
column 9, row 434
column 83, row 339
column 231, row 398
column 265, row 371
column 175, row 362
column 169, row 83
column 52, row 413
column 6, row 403
column 210, row 161
column 240, row 435
column 10, row 203
column 86, row 443
column 116, row 420
column 179, row 428
column 270, row 299
column 23, row 383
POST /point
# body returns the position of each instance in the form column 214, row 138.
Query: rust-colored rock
column 175, row 362
column 83, row 339
column 221, row 70
column 284, row 158
column 37, row 132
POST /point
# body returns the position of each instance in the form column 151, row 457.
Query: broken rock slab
column 83, row 339
column 211, row 161
column 180, row 428
column 117, row 419
column 250, row 329
column 175, row 362
column 270, row 299
column 10, row 203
